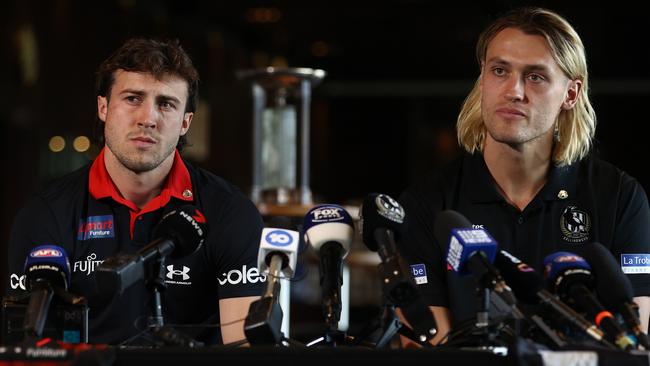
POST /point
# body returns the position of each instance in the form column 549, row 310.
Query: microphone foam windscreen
column 186, row 226
column 455, row 232
column 380, row 211
column 446, row 221
column 612, row 285
column 522, row 279
column 328, row 223
column 48, row 262
column 562, row 269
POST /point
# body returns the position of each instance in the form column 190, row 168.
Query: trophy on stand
column 281, row 111
column 281, row 128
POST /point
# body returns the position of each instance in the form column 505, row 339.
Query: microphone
column 381, row 223
column 528, row 286
column 46, row 268
column 277, row 259
column 472, row 251
column 329, row 230
column 613, row 287
column 178, row 234
column 570, row 277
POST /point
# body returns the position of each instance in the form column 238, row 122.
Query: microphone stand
column 162, row 334
column 264, row 320
column 331, row 254
column 481, row 333
column 157, row 286
column 399, row 290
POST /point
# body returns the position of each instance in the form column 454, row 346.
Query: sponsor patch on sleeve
column 635, row 263
column 419, row 273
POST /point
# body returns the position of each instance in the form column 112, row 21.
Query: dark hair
column 158, row 58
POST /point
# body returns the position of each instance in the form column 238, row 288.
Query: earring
column 556, row 133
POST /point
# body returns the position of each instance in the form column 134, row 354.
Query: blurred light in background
column 56, row 144
column 28, row 54
column 263, row 15
column 81, row 144
column 320, row 49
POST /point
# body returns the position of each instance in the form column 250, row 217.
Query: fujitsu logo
column 88, row 266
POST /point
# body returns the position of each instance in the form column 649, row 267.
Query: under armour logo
column 171, row 272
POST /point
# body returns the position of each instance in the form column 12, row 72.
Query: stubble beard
column 141, row 161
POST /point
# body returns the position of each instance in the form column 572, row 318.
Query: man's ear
column 102, row 108
column 572, row 94
column 187, row 121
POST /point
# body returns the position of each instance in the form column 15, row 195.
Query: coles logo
column 46, row 253
column 16, row 281
column 243, row 276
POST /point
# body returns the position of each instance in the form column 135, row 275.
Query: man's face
column 523, row 89
column 144, row 118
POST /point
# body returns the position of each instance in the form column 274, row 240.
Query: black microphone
column 381, row 223
column 472, row 250
column 570, row 277
column 178, row 234
column 529, row 288
column 613, row 287
column 329, row 230
column 47, row 268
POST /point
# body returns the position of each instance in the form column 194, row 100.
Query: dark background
column 398, row 72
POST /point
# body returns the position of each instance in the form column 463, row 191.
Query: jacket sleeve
column 419, row 248
column 632, row 234
column 235, row 244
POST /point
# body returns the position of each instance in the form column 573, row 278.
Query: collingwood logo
column 389, row 208
column 178, row 276
column 88, row 266
column 575, row 225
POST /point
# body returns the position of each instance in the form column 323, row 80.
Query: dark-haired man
column 146, row 99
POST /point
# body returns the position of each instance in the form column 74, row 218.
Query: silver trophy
column 281, row 110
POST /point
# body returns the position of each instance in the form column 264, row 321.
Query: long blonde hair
column 576, row 126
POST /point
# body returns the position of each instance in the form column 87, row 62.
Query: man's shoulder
column 52, row 207
column 212, row 187
column 67, row 187
column 603, row 173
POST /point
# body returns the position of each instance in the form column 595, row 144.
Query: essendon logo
column 96, row 227
column 45, row 253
